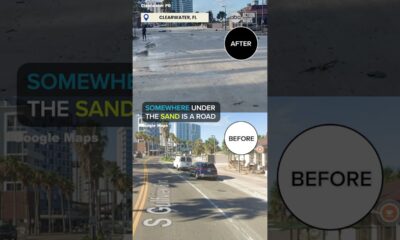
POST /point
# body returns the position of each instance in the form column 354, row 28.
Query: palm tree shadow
column 239, row 208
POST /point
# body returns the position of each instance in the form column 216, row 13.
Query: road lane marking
column 139, row 197
column 141, row 201
column 232, row 223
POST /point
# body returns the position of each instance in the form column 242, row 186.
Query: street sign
column 236, row 17
column 249, row 15
column 260, row 149
column 389, row 212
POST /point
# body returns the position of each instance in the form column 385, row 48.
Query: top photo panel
column 201, row 50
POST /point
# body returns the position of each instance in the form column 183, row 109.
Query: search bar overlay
column 174, row 18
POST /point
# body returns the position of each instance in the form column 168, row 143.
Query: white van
column 182, row 162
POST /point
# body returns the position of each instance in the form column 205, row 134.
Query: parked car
column 8, row 231
column 182, row 162
column 204, row 170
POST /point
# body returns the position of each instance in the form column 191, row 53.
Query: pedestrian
column 144, row 33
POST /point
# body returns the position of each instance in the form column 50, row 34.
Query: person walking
column 144, row 33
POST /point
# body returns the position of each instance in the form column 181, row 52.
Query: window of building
column 14, row 147
column 9, row 186
column 12, row 123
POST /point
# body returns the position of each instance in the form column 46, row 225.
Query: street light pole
column 225, row 15
column 213, row 137
column 262, row 16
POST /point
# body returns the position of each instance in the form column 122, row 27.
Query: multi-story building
column 151, row 129
column 182, row 6
column 124, row 150
column 121, row 154
column 186, row 131
column 32, row 146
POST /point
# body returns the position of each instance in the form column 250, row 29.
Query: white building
column 182, row 6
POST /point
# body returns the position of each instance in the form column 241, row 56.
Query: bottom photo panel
column 200, row 180
column 64, row 183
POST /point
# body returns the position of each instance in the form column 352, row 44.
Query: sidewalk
column 253, row 185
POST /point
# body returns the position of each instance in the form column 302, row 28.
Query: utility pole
column 214, row 148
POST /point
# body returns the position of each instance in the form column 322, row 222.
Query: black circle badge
column 241, row 43
column 330, row 177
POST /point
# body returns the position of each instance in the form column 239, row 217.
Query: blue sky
column 216, row 5
column 258, row 120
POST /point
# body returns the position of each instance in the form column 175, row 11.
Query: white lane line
column 241, row 230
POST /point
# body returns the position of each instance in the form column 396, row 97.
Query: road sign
column 249, row 15
column 389, row 212
column 236, row 17
column 260, row 149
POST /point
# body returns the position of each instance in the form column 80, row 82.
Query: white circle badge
column 241, row 138
column 330, row 177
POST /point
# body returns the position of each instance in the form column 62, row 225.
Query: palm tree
column 60, row 183
column 145, row 138
column 2, row 179
column 165, row 134
column 198, row 147
column 111, row 173
column 66, row 188
column 389, row 174
column 155, row 140
column 11, row 166
column 37, row 181
column 124, row 185
column 189, row 145
column 91, row 159
column 174, row 139
column 221, row 16
column 211, row 145
column 25, row 175
column 49, row 182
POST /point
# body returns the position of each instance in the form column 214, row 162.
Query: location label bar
column 174, row 17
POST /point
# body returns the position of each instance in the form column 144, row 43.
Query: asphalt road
column 192, row 65
column 198, row 209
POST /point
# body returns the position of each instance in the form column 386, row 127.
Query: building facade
column 254, row 16
column 152, row 129
column 182, row 6
column 186, row 131
column 124, row 150
column 31, row 145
